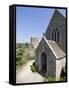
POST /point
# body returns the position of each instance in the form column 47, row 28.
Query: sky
column 32, row 22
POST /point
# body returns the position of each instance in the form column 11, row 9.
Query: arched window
column 55, row 35
column 52, row 36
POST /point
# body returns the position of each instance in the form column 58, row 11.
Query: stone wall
column 51, row 61
column 58, row 21
column 34, row 42
column 60, row 64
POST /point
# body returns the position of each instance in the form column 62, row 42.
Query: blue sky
column 32, row 22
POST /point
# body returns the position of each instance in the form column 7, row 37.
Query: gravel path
column 25, row 75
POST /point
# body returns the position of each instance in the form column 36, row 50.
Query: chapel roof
column 57, row 51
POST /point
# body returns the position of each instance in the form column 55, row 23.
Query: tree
column 27, row 44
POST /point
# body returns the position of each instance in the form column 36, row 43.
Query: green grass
column 49, row 79
column 52, row 79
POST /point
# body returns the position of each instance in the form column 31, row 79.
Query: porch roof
column 57, row 51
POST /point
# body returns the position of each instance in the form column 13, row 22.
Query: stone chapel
column 50, row 55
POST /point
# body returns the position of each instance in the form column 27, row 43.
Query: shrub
column 63, row 78
column 33, row 63
column 63, row 75
column 30, row 57
column 34, row 68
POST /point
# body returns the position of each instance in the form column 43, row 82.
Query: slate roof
column 57, row 51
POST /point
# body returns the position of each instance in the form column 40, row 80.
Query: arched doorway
column 44, row 62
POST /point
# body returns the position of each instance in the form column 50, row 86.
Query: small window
column 57, row 37
column 52, row 35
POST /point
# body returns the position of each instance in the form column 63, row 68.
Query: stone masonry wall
column 51, row 62
column 57, row 21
